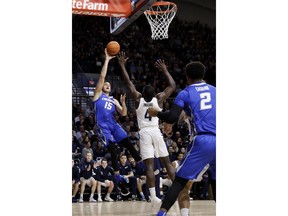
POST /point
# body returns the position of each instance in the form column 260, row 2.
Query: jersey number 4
column 147, row 115
column 205, row 101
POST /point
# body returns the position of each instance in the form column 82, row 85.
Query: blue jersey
column 199, row 102
column 104, row 110
column 104, row 116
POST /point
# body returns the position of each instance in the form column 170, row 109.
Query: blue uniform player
column 198, row 100
column 109, row 130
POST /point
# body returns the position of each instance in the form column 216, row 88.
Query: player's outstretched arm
column 122, row 60
column 100, row 83
column 160, row 64
column 121, row 109
column 170, row 116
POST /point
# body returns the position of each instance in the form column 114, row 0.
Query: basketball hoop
column 159, row 16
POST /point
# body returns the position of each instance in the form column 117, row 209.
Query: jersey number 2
column 205, row 101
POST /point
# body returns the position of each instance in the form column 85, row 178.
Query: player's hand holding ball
column 152, row 112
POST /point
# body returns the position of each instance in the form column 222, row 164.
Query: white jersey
column 143, row 117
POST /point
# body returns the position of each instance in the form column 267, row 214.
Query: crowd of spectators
column 187, row 41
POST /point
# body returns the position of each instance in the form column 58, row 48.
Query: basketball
column 113, row 48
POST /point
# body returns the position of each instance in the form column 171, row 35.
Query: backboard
column 118, row 24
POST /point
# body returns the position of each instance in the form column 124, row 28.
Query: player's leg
column 172, row 194
column 212, row 169
column 150, row 177
column 114, row 156
column 168, row 165
column 184, row 199
column 192, row 166
column 162, row 152
column 121, row 137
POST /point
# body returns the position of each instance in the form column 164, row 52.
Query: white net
column 159, row 16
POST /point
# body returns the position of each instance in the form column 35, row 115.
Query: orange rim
column 162, row 3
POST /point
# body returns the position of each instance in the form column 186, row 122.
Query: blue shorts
column 112, row 133
column 200, row 153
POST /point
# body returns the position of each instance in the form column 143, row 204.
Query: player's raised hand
column 160, row 64
column 122, row 58
column 122, row 98
column 107, row 56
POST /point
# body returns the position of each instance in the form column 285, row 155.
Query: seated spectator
column 75, row 180
column 86, row 171
column 127, row 176
column 104, row 176
column 139, row 171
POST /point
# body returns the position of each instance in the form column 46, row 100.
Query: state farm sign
column 115, row 8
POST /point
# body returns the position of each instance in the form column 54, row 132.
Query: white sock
column 184, row 211
column 141, row 194
column 99, row 194
column 152, row 192
column 81, row 196
column 91, row 196
column 108, row 195
column 73, row 196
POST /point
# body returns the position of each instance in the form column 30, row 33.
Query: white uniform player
column 151, row 139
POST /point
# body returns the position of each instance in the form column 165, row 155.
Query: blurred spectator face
column 88, row 156
column 123, row 159
column 91, row 117
column 127, row 128
column 81, row 128
column 179, row 140
column 131, row 123
column 170, row 149
column 104, row 163
column 180, row 156
column 178, row 134
column 127, row 119
column 132, row 161
column 88, row 144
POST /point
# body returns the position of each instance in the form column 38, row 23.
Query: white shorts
column 152, row 143
column 88, row 181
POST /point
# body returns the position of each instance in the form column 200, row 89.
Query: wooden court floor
column 197, row 208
